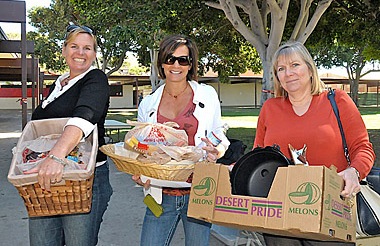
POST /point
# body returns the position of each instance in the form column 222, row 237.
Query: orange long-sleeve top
column 318, row 129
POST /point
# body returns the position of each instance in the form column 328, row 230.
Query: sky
column 16, row 27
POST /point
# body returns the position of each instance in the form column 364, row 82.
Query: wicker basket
column 72, row 195
column 132, row 166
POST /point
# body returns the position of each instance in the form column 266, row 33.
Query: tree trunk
column 354, row 90
column 267, row 83
column 153, row 68
column 256, row 32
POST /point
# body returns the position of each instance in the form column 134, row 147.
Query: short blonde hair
column 296, row 48
column 72, row 34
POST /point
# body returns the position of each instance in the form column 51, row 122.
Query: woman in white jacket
column 196, row 108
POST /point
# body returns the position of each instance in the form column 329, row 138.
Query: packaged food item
column 133, row 144
column 156, row 208
column 156, row 133
column 33, row 152
column 161, row 143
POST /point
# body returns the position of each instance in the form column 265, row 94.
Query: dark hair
column 167, row 47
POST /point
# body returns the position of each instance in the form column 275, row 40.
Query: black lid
column 253, row 173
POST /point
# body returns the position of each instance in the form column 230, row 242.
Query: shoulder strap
column 331, row 97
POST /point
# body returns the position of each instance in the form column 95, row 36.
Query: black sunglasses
column 71, row 28
column 182, row 60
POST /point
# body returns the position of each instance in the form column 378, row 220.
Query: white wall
column 12, row 103
column 239, row 94
column 230, row 95
column 123, row 102
column 115, row 102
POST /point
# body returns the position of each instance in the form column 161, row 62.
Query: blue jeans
column 74, row 229
column 160, row 231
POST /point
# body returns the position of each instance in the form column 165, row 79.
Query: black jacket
column 88, row 98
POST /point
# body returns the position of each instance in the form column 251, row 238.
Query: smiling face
column 177, row 72
column 79, row 53
column 293, row 74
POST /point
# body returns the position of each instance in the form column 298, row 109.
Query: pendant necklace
column 176, row 96
column 65, row 82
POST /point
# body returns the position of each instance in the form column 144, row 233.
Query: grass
column 242, row 122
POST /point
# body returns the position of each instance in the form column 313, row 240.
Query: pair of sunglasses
column 182, row 60
column 71, row 28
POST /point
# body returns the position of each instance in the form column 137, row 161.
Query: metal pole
column 377, row 94
column 24, row 99
column 33, row 80
column 137, row 92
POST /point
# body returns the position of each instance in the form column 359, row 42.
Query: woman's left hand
column 351, row 182
column 211, row 151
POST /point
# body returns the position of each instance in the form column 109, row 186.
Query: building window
column 116, row 90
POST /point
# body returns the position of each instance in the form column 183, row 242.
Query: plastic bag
column 190, row 153
column 156, row 133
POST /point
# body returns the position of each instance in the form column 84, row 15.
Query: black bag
column 233, row 153
column 368, row 199
column 368, row 204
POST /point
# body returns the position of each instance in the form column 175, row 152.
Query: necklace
column 65, row 81
column 176, row 96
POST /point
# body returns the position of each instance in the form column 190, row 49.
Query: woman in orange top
column 302, row 114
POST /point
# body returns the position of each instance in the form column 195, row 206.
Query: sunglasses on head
column 71, row 28
column 182, row 60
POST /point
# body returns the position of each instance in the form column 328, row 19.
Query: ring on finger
column 353, row 194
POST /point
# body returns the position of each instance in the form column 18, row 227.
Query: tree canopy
column 350, row 31
column 232, row 36
column 138, row 26
column 105, row 17
column 263, row 23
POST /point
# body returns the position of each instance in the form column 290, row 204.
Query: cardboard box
column 302, row 202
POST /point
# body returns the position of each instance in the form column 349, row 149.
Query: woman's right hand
column 138, row 181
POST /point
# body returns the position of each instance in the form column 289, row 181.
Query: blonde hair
column 71, row 35
column 290, row 49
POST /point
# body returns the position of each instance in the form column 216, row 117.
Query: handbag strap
column 331, row 97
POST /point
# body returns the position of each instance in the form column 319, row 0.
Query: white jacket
column 207, row 111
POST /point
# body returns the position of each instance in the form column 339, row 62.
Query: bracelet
column 57, row 159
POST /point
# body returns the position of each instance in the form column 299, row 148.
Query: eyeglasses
column 71, row 28
column 182, row 60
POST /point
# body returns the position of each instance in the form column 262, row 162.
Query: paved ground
column 122, row 221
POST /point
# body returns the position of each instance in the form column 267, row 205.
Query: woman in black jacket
column 82, row 94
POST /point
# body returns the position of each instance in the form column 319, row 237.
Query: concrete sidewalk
column 122, row 220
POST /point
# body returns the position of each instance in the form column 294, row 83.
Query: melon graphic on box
column 307, row 193
column 205, row 187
